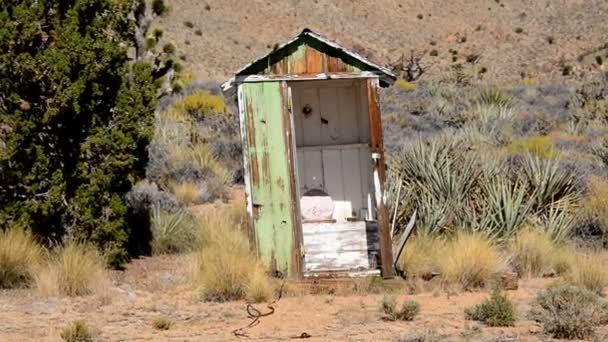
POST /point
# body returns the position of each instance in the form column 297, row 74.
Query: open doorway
column 335, row 176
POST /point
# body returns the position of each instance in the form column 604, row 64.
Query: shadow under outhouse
column 314, row 159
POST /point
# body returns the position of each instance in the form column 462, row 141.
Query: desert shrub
column 20, row 255
column 496, row 311
column 425, row 335
column 420, row 255
column 201, row 103
column 568, row 312
column 146, row 195
column 172, row 232
column 405, row 85
column 162, row 323
column 542, row 147
column 77, row 331
column 407, row 312
column 589, row 272
column 532, row 252
column 223, row 266
column 470, row 260
column 74, row 269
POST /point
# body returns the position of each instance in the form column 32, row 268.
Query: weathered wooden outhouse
column 314, row 160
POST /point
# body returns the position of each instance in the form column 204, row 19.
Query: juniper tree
column 76, row 111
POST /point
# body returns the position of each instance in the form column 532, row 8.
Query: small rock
column 509, row 281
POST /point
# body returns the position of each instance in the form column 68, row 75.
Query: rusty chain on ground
column 254, row 314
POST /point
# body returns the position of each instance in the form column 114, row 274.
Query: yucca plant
column 550, row 183
column 439, row 181
column 171, row 232
column 493, row 96
column 506, row 207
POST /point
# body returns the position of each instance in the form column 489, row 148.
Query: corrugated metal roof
column 385, row 75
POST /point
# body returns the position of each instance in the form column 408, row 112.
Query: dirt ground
column 158, row 287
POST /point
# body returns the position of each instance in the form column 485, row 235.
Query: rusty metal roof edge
column 228, row 86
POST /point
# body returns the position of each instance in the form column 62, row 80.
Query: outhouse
column 314, row 161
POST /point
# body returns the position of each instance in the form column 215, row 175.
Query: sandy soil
column 157, row 287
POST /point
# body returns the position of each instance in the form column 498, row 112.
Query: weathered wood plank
column 376, row 142
column 272, row 194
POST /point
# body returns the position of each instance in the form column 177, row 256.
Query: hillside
column 512, row 38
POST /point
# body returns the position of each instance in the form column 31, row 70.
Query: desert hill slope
column 512, row 38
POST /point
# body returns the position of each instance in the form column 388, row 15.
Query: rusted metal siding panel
column 377, row 147
column 268, row 148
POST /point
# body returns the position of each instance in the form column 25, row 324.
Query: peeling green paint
column 271, row 194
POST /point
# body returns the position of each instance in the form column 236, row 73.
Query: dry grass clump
column 74, row 269
column 185, row 192
column 589, row 272
column 470, row 260
column 223, row 265
column 542, row 147
column 594, row 207
column 171, row 232
column 405, row 85
column 20, row 255
column 77, row 331
column 421, row 254
column 563, row 260
column 533, row 252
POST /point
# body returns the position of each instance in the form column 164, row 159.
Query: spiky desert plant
column 506, row 207
column 549, row 182
column 171, row 232
column 494, row 97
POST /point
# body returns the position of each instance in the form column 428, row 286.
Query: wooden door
column 269, row 167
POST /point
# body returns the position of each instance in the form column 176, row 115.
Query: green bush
column 569, row 312
column 407, row 312
column 77, row 331
column 496, row 311
column 162, row 323
column 80, row 114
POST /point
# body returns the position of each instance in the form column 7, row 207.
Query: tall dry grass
column 20, row 256
column 589, row 272
column 73, row 269
column 533, row 252
column 421, row 254
column 185, row 192
column 470, row 260
column 223, row 266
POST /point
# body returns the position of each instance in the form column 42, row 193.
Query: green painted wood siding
column 267, row 126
